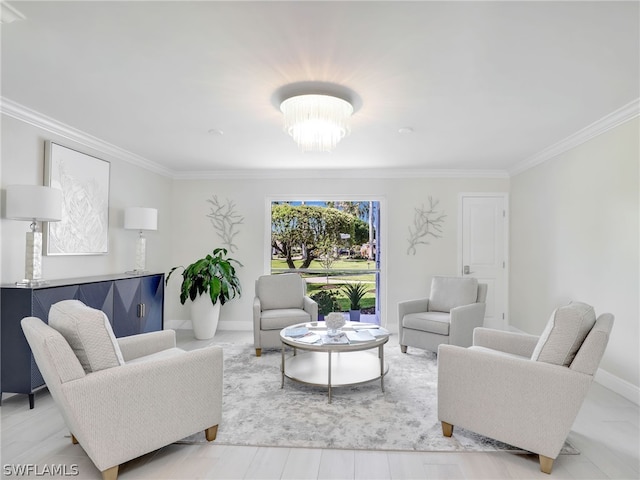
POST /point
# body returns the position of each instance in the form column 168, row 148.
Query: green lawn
column 338, row 275
column 340, row 264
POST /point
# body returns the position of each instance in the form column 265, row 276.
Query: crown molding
column 337, row 174
column 618, row 117
column 24, row 114
column 20, row 112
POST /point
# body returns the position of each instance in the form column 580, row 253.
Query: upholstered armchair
column 123, row 398
column 454, row 308
column 522, row 389
column 280, row 301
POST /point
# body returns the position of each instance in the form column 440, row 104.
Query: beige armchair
column 124, row 398
column 280, row 301
column 454, row 308
column 522, row 389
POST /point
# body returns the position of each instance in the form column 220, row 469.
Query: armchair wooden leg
column 258, row 352
column 403, row 348
column 110, row 473
column 211, row 433
column 546, row 464
column 447, row 429
column 74, row 440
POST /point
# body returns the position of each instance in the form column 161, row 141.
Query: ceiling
column 484, row 86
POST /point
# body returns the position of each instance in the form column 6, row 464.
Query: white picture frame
column 84, row 182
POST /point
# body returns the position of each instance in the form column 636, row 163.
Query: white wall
column 407, row 276
column 22, row 153
column 574, row 236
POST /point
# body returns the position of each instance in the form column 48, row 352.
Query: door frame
column 321, row 197
column 505, row 197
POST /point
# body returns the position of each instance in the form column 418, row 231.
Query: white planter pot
column 204, row 317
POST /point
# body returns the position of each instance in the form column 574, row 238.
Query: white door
column 484, row 248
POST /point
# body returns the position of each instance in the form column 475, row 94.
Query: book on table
column 378, row 332
column 335, row 340
column 309, row 338
column 356, row 336
column 296, row 332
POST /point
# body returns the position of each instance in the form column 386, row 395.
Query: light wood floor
column 606, row 432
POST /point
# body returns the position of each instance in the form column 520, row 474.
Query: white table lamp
column 140, row 218
column 33, row 203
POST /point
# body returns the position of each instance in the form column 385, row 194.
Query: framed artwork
column 84, row 181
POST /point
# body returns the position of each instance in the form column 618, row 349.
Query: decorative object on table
column 215, row 276
column 225, row 220
column 326, row 301
column 35, row 204
column 426, row 222
column 355, row 292
column 140, row 218
column 335, row 321
column 84, row 181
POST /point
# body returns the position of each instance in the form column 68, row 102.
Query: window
column 334, row 245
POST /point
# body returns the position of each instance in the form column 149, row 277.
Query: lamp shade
column 316, row 122
column 34, row 203
column 141, row 218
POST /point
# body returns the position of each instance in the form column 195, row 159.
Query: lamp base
column 137, row 272
column 33, row 259
column 141, row 254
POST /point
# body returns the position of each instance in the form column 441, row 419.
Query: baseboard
column 228, row 325
column 239, row 326
column 177, row 324
column 618, row 385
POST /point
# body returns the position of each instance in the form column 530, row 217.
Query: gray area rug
column 257, row 412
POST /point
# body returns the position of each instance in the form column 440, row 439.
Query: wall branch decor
column 225, row 220
column 426, row 222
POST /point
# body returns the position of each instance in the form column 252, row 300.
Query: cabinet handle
column 141, row 310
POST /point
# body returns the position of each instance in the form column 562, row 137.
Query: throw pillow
column 89, row 334
column 566, row 330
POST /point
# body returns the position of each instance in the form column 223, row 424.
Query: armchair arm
column 510, row 342
column 463, row 320
column 136, row 346
column 310, row 306
column 531, row 405
column 257, row 309
column 411, row 306
column 123, row 412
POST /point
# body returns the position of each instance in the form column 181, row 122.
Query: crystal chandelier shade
column 316, row 122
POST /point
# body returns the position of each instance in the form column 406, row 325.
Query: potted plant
column 326, row 301
column 215, row 276
column 354, row 292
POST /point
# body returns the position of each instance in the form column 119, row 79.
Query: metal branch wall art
column 225, row 220
column 426, row 222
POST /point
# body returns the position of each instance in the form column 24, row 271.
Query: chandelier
column 316, row 122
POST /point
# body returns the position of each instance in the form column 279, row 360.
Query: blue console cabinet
column 133, row 304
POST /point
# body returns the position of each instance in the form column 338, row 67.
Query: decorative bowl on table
column 335, row 321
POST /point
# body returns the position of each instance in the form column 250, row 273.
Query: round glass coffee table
column 334, row 361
